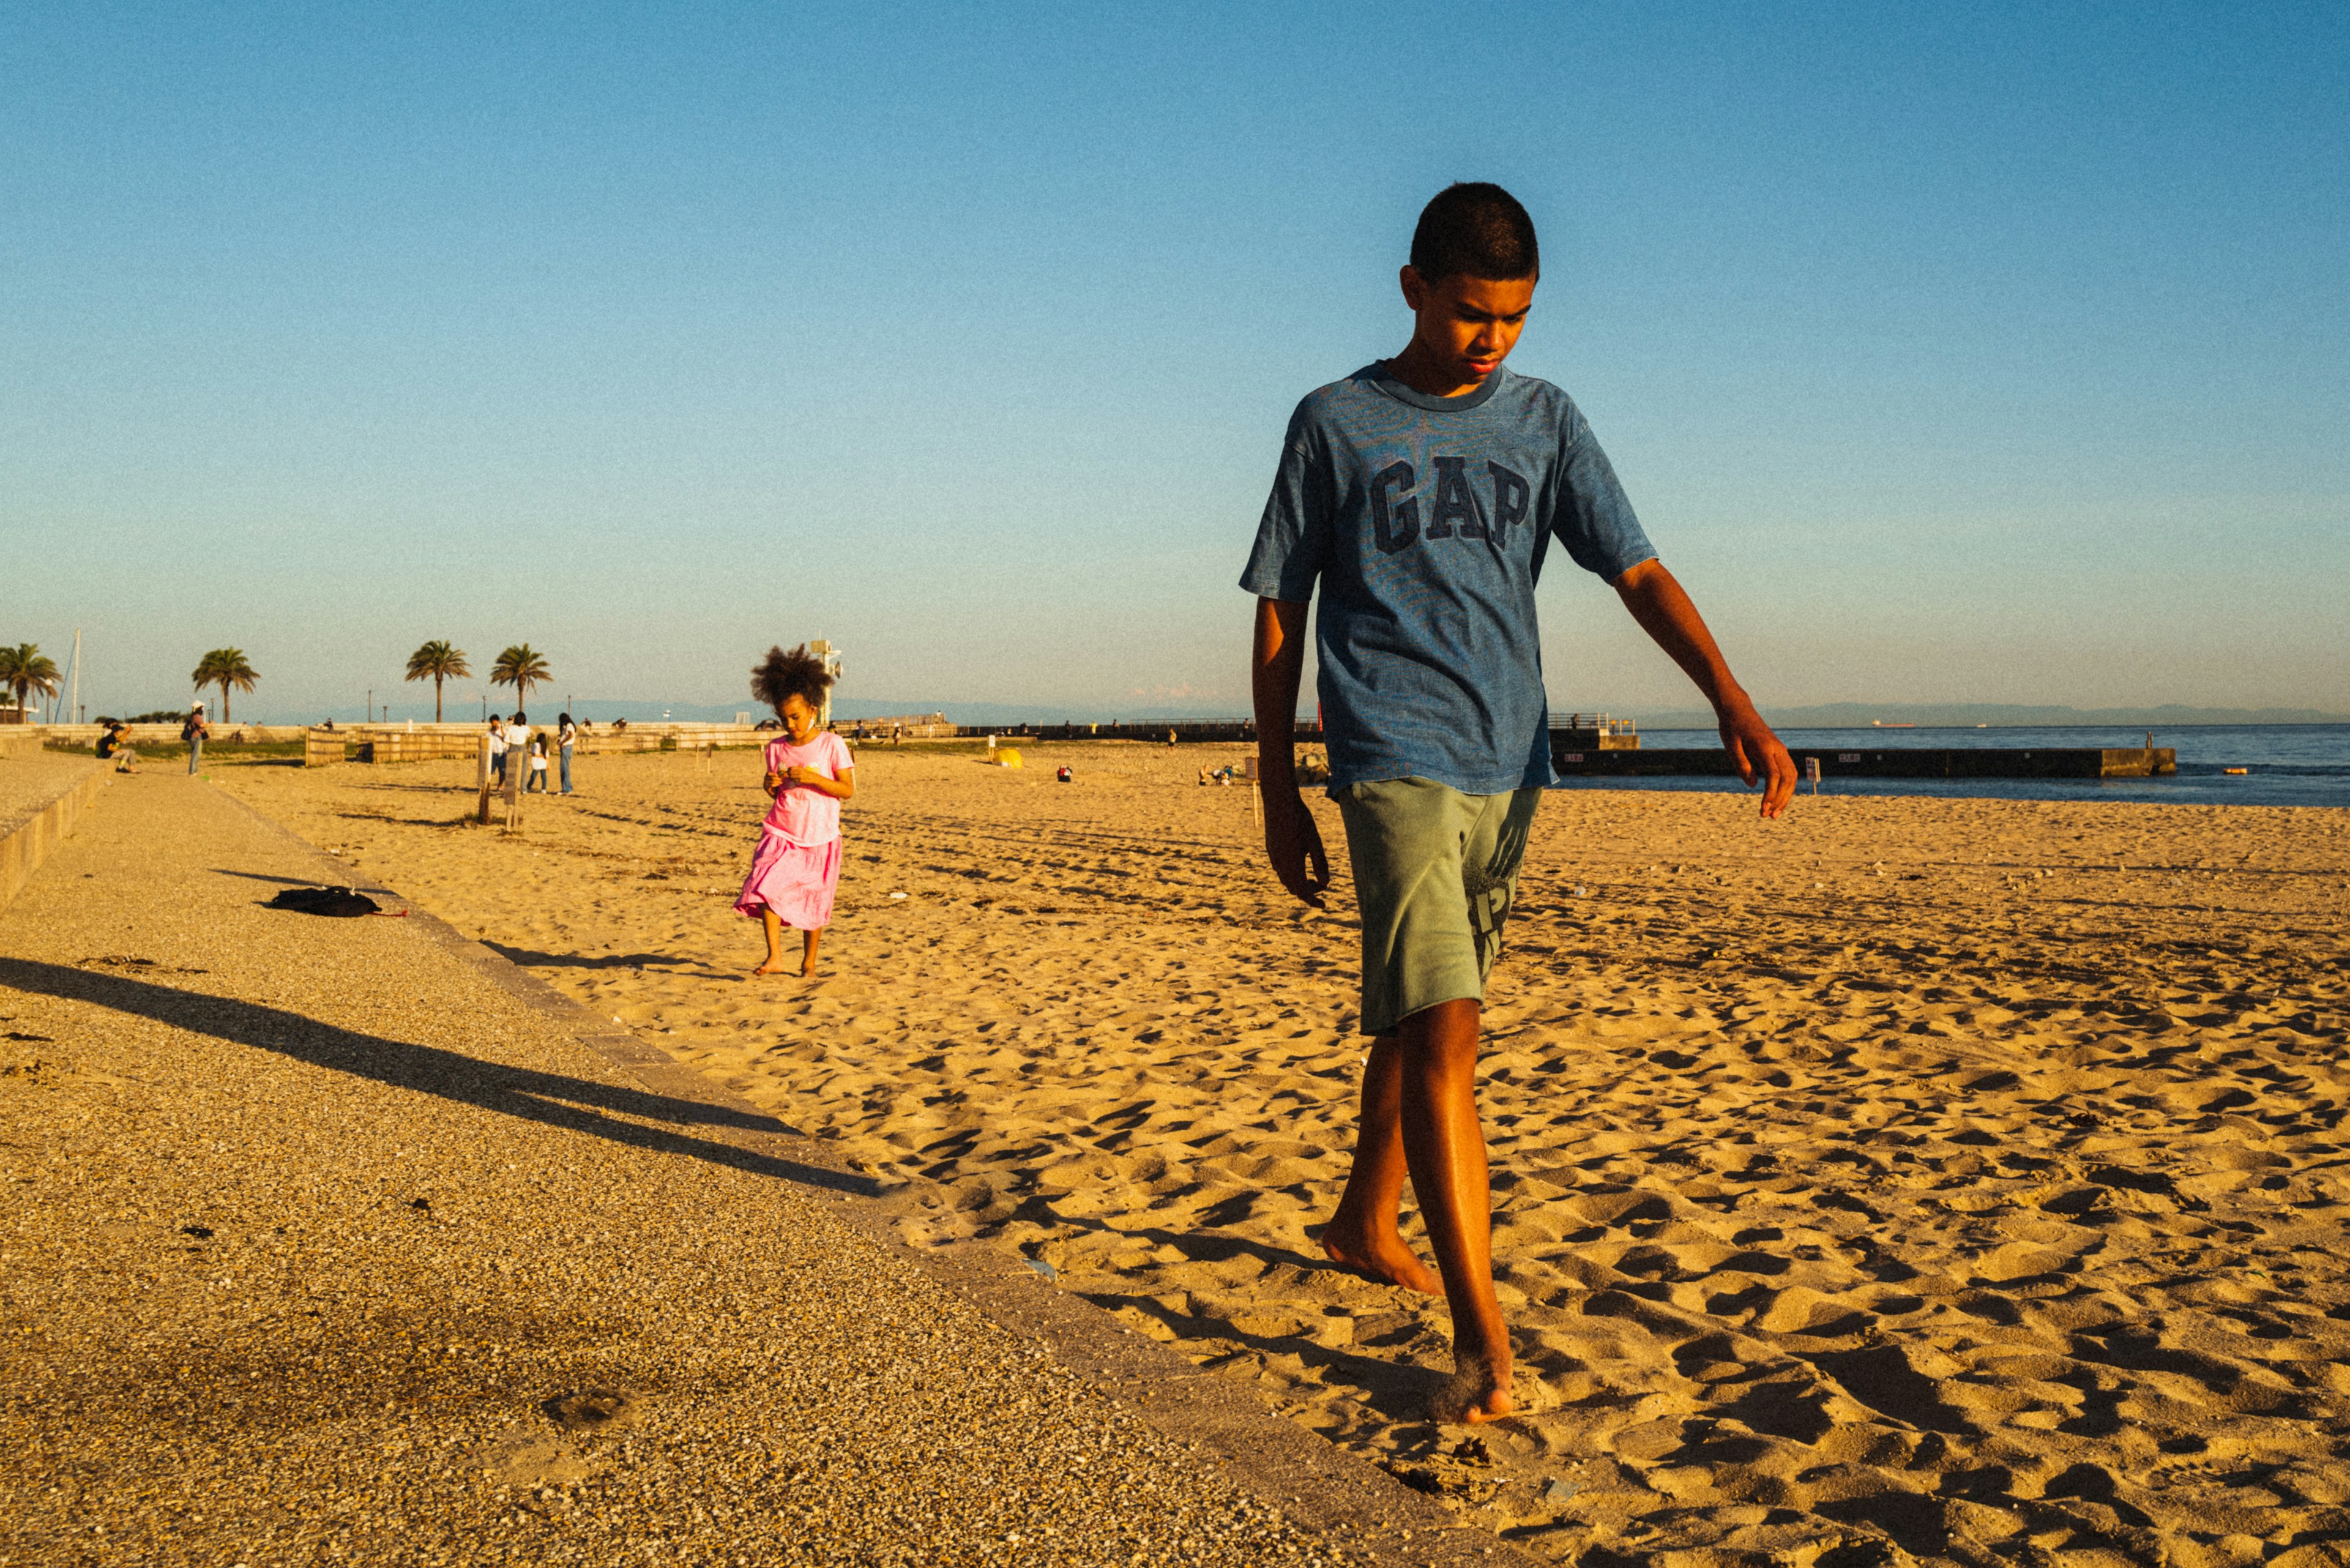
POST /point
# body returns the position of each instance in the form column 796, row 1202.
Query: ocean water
column 2287, row 765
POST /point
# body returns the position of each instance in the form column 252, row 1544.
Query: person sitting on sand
column 114, row 746
column 1422, row 494
column 809, row 773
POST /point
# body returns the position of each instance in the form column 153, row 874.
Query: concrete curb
column 1318, row 1485
column 24, row 849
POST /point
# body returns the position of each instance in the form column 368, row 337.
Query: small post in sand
column 513, row 795
column 1812, row 773
column 481, row 781
column 1256, row 792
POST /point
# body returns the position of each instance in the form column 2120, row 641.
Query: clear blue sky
column 1949, row 353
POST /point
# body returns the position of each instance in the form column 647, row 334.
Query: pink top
column 801, row 814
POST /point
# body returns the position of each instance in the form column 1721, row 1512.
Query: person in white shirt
column 566, row 736
column 497, row 734
column 518, row 742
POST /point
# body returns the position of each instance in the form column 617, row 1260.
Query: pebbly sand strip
column 321, row 1246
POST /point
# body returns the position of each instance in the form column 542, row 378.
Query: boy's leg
column 807, row 951
column 1444, row 1144
column 1435, row 873
column 1362, row 1234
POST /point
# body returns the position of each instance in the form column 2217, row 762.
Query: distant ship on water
column 1881, row 724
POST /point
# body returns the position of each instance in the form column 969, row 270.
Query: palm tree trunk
column 224, row 686
column 436, row 698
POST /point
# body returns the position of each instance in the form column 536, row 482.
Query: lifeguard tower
column 830, row 657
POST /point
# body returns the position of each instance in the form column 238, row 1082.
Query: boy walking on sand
column 1422, row 494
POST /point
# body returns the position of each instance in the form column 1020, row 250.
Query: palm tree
column 439, row 661
column 224, row 668
column 521, row 667
column 25, row 669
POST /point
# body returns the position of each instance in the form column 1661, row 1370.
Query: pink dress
column 798, row 865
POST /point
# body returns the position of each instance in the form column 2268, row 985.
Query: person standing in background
column 796, row 870
column 497, row 734
column 193, row 732
column 565, row 735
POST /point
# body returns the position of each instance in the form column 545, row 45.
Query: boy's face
column 1465, row 327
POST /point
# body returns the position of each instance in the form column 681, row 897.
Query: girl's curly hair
column 797, row 673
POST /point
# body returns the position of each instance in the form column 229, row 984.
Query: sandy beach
column 1954, row 1178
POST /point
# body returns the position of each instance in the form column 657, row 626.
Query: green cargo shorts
column 1435, row 872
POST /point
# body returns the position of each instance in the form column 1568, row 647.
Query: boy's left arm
column 1664, row 611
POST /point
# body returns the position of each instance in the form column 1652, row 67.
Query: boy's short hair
column 1477, row 229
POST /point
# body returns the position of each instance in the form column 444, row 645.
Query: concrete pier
column 1884, row 761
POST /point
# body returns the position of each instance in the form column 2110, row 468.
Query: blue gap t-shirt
column 1426, row 521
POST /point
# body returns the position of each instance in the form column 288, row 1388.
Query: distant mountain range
column 1823, row 716
column 1999, row 715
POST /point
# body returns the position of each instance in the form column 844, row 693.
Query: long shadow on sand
column 283, row 881
column 530, row 958
column 574, row 1104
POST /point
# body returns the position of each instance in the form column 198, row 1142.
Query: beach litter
column 341, row 903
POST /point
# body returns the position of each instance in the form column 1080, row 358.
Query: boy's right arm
column 1292, row 842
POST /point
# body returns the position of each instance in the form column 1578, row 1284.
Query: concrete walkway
column 322, row 1245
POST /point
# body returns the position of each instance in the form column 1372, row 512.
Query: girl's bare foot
column 1383, row 1257
column 773, row 966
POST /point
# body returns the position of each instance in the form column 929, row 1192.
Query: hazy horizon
column 1993, row 357
column 851, row 708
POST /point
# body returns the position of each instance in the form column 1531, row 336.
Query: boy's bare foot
column 1478, row 1391
column 773, row 966
column 1384, row 1257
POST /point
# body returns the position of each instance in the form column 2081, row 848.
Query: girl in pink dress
column 809, row 773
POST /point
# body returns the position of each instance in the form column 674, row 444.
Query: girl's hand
column 773, row 783
column 802, row 776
